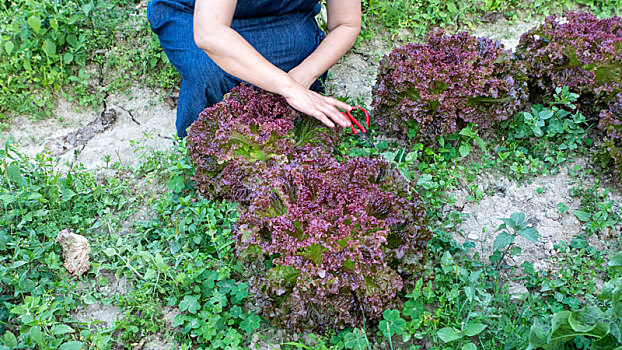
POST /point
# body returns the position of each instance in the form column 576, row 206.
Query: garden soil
column 140, row 119
column 540, row 200
column 144, row 119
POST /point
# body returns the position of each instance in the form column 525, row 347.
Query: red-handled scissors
column 355, row 123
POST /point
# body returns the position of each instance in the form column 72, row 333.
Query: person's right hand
column 323, row 108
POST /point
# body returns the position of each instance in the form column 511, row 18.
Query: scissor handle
column 355, row 123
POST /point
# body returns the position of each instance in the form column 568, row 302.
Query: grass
column 417, row 16
column 79, row 49
column 172, row 249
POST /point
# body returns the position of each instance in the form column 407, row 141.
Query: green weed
column 182, row 257
column 511, row 228
column 544, row 139
column 597, row 212
column 596, row 325
column 80, row 49
column 37, row 202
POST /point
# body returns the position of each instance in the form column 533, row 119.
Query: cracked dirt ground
column 83, row 135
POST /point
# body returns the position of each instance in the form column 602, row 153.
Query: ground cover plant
column 166, row 260
column 592, row 324
column 79, row 49
column 544, row 138
column 37, row 203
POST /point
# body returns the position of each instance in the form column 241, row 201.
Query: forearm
column 332, row 48
column 236, row 56
column 344, row 25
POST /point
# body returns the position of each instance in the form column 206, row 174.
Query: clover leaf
column 392, row 323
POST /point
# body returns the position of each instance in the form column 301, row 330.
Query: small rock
column 501, row 188
column 158, row 342
column 548, row 246
column 553, row 214
column 540, row 266
column 76, row 251
column 484, row 186
column 170, row 313
column 517, row 292
column 171, row 99
column 106, row 314
column 492, row 17
column 473, row 236
column 140, row 344
column 460, row 197
column 263, row 342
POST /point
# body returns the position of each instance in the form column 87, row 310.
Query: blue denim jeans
column 284, row 39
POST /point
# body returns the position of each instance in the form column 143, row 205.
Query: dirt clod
column 76, row 251
column 101, row 315
column 517, row 292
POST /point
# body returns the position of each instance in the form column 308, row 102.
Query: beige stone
column 76, row 251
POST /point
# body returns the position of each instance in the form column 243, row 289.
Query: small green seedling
column 512, row 227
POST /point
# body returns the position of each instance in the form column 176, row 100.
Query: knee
column 157, row 10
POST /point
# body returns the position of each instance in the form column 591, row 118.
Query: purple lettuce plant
column 433, row 87
column 340, row 234
column 579, row 51
column 344, row 237
column 233, row 141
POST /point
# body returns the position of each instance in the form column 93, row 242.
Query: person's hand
column 323, row 108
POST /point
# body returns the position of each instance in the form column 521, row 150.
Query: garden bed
column 163, row 259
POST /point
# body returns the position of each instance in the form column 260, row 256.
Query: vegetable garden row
column 345, row 238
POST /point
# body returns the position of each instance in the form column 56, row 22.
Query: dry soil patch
column 538, row 200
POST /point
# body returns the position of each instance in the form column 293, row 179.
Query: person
column 275, row 45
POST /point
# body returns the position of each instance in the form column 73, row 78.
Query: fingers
column 325, row 109
column 335, row 114
column 325, row 120
column 339, row 118
column 340, row 104
column 326, row 116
